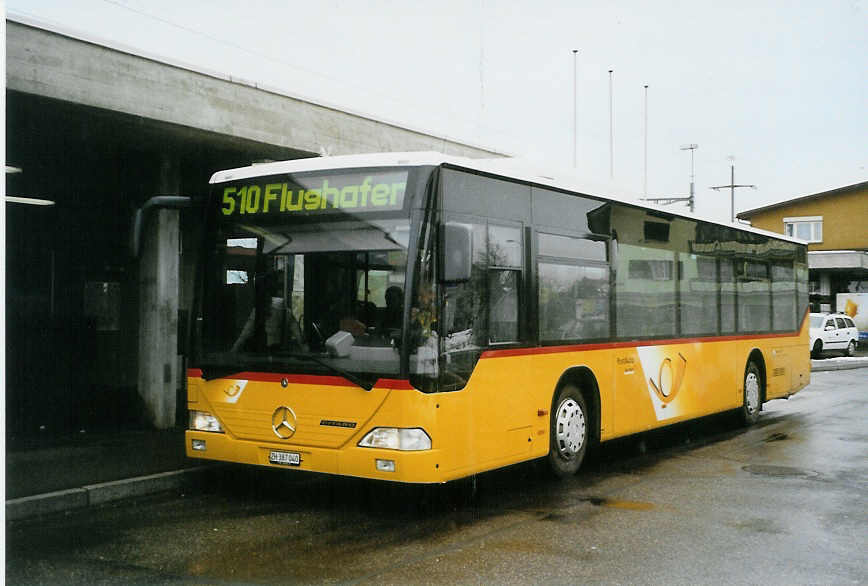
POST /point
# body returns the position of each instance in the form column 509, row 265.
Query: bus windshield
column 308, row 274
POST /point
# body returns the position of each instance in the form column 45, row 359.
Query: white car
column 833, row 332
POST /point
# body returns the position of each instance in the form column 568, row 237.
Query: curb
column 827, row 365
column 97, row 494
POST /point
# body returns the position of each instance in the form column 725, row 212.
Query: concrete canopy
column 97, row 130
column 58, row 66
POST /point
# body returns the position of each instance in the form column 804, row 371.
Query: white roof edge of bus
column 512, row 168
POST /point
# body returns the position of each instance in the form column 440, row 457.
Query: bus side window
column 573, row 288
column 485, row 310
column 464, row 312
column 504, row 278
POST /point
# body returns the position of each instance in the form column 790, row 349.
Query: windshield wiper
column 367, row 385
column 220, row 368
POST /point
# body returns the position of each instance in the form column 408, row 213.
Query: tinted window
column 801, row 289
column 783, row 297
column 645, row 291
column 504, row 277
column 727, row 296
column 840, row 323
column 504, row 246
column 572, row 212
column 573, row 302
column 484, row 310
column 849, row 322
column 568, row 247
column 754, row 299
column 698, row 294
column 465, row 309
column 485, row 197
column 503, row 306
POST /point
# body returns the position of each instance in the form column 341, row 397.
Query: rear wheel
column 753, row 391
column 569, row 432
column 851, row 348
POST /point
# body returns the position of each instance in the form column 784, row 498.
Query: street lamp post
column 645, row 175
column 611, row 128
column 575, row 113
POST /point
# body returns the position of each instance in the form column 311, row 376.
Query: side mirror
column 456, row 242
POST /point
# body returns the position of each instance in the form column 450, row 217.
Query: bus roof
column 505, row 167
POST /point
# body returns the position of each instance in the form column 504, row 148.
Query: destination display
column 355, row 192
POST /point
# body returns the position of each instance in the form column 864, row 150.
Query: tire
column 817, row 349
column 752, row 394
column 851, row 349
column 569, row 433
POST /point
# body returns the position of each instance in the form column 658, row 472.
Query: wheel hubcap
column 570, row 429
column 751, row 392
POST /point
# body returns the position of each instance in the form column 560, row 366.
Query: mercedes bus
column 421, row 318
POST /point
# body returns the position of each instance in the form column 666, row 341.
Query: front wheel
column 569, row 432
column 817, row 349
column 851, row 348
column 753, row 390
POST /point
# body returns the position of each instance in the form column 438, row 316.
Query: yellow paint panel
column 501, row 417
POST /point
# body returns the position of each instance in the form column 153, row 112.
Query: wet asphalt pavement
column 783, row 502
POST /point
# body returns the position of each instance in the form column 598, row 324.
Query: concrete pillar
column 158, row 307
column 825, row 284
column 826, row 292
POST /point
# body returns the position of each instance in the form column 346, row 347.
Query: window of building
column 808, row 228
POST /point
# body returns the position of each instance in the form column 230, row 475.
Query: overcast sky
column 782, row 86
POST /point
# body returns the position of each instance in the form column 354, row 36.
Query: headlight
column 202, row 421
column 394, row 438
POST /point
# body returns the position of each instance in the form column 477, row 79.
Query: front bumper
column 423, row 467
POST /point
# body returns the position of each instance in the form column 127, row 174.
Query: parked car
column 834, row 331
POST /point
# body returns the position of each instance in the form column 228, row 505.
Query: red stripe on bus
column 304, row 379
column 630, row 344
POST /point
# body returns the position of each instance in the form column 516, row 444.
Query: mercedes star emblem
column 284, row 422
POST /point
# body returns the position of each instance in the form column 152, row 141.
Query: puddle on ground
column 620, row 504
column 762, row 526
column 779, row 471
column 776, row 437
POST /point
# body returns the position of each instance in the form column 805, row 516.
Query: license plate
column 284, row 458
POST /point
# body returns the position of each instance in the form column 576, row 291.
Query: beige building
column 835, row 224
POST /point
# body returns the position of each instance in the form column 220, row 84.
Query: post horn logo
column 668, row 382
column 284, row 422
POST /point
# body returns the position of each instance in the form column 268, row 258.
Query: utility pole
column 690, row 198
column 732, row 187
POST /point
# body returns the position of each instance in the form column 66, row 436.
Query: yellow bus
column 420, row 318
